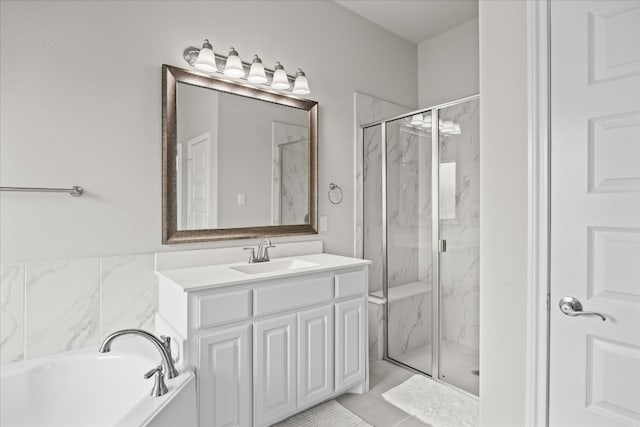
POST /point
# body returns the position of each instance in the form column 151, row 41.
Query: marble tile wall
column 294, row 203
column 11, row 312
column 372, row 205
column 368, row 109
column 425, row 207
column 403, row 202
column 376, row 330
column 53, row 306
column 459, row 266
column 290, row 167
column 408, row 235
column 409, row 324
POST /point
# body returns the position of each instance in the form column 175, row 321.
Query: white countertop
column 219, row 275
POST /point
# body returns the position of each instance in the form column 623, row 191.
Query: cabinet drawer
column 291, row 294
column 351, row 284
column 220, row 308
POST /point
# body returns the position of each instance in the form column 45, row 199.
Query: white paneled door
column 198, row 180
column 595, row 214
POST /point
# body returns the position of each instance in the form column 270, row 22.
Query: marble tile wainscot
column 59, row 305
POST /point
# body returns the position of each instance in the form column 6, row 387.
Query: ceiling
column 414, row 20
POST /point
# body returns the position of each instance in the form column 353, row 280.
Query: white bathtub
column 87, row 389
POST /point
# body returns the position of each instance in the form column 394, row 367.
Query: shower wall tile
column 372, row 185
column 376, row 331
column 403, row 193
column 368, row 109
column 11, row 312
column 409, row 325
column 62, row 305
column 425, row 206
column 128, row 293
column 459, row 266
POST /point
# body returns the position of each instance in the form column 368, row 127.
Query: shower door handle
column 573, row 307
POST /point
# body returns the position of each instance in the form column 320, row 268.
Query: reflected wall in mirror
column 238, row 161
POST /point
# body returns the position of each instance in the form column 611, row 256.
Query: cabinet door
column 350, row 343
column 274, row 369
column 224, row 377
column 315, row 355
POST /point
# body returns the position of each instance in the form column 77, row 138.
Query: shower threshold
column 458, row 369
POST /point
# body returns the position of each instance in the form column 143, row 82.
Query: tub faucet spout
column 163, row 344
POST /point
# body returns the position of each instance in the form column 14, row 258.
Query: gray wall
column 503, row 212
column 246, row 145
column 448, row 65
column 81, row 105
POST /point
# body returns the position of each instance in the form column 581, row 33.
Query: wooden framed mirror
column 238, row 160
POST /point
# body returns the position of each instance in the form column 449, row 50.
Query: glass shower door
column 459, row 206
column 408, row 240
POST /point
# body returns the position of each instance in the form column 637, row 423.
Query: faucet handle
column 266, row 251
column 159, row 386
column 252, row 256
column 152, row 372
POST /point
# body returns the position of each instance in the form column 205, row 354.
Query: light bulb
column 234, row 65
column 206, row 60
column 256, row 73
column 301, row 85
column 417, row 120
column 280, row 80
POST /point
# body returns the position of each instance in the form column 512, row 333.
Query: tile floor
column 372, row 407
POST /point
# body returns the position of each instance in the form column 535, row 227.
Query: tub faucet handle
column 159, row 386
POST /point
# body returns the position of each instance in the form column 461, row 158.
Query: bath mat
column 329, row 414
column 433, row 403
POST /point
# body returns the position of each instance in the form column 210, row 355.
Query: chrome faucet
column 263, row 251
column 163, row 344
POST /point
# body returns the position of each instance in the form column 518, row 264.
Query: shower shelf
column 406, row 290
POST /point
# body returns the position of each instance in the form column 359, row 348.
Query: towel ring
column 337, row 200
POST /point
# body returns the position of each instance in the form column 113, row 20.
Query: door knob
column 573, row 307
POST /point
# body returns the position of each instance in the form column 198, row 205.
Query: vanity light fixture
column 301, row 85
column 205, row 59
column 256, row 73
column 280, row 80
column 234, row 65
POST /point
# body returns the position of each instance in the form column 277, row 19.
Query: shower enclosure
column 421, row 231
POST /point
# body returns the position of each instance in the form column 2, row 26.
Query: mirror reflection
column 240, row 162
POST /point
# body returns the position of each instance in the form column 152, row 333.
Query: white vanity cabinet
column 350, row 343
column 264, row 350
column 224, row 377
column 316, row 355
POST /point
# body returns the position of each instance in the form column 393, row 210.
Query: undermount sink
column 273, row 266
